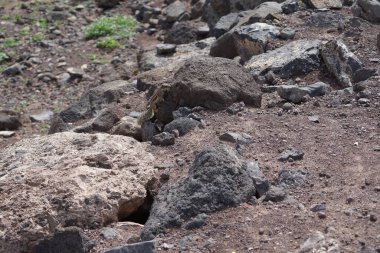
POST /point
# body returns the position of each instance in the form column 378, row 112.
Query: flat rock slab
column 325, row 4
column 141, row 247
column 297, row 94
column 42, row 116
column 7, row 134
column 69, row 179
column 295, row 58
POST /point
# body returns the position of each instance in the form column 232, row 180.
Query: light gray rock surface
column 68, row 179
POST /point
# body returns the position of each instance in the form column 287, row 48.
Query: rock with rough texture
column 94, row 100
column 182, row 33
column 343, row 64
column 320, row 243
column 69, row 179
column 293, row 178
column 294, row 59
column 367, row 9
column 236, row 138
column 7, row 134
column 184, row 125
column 215, row 9
column 165, row 49
column 225, row 46
column 213, row 83
column 175, row 10
column 128, row 126
column 217, row 179
column 150, row 59
column 9, row 122
column 253, row 39
column 297, row 94
column 107, row 3
column 141, row 247
column 42, row 116
column 163, row 139
column 275, row 194
column 13, row 70
column 291, row 154
column 65, row 240
column 224, row 24
column 325, row 4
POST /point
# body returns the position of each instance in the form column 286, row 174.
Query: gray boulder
column 163, row 139
column 127, row 126
column 225, row 45
column 175, row 10
column 344, row 65
column 367, row 9
column 213, row 83
column 297, row 94
column 217, row 179
column 295, row 58
column 182, row 33
column 224, row 24
column 215, row 9
column 253, row 39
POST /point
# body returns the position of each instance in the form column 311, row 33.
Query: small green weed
column 23, row 104
column 4, row 57
column 10, row 42
column 5, row 17
column 119, row 26
column 43, row 23
column 38, row 37
column 108, row 43
column 25, row 31
column 44, row 128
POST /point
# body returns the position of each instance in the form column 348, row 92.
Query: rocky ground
column 265, row 136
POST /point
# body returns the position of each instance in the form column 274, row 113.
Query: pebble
column 314, row 119
column 7, row 134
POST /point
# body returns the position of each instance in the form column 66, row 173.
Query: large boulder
column 175, row 10
column 225, row 46
column 214, row 83
column 367, row 9
column 68, row 179
column 182, row 33
column 295, row 58
column 215, row 9
column 253, row 39
column 344, row 65
column 217, row 179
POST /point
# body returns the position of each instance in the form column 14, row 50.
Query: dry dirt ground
column 341, row 153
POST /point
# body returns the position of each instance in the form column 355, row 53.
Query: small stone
column 109, row 233
column 13, row 70
column 318, row 207
column 175, row 132
column 372, row 217
column 164, row 49
column 167, row 246
column 75, row 72
column 322, row 215
column 163, row 139
column 349, row 200
column 42, row 116
column 287, row 33
column 287, row 106
column 275, row 194
column 364, row 102
column 235, row 108
column 236, row 138
column 7, row 134
column 291, row 153
column 261, row 231
column 314, row 119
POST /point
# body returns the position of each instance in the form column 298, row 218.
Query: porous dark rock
column 217, row 179
column 182, row 33
column 184, row 125
column 143, row 247
column 163, row 139
column 291, row 154
column 9, row 122
column 293, row 178
column 367, row 9
column 213, row 83
column 107, row 3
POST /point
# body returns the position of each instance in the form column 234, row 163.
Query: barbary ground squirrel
column 157, row 97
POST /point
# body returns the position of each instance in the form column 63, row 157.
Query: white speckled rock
column 68, row 179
